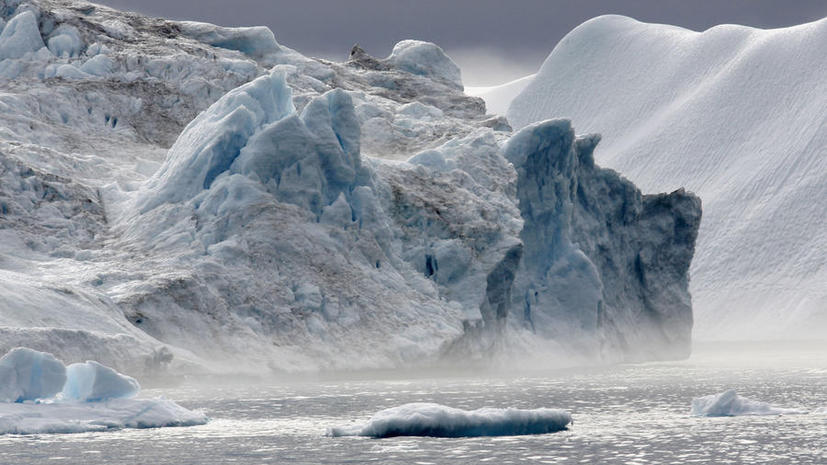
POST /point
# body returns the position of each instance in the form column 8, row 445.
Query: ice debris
column 38, row 394
column 428, row 419
column 730, row 404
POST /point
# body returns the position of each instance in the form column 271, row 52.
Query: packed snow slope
column 179, row 194
column 735, row 114
column 498, row 98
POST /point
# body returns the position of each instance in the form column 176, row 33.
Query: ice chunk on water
column 730, row 404
column 20, row 36
column 425, row 59
column 91, row 381
column 27, row 374
column 427, row 419
column 98, row 416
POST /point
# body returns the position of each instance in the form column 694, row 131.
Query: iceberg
column 27, row 374
column 38, row 394
column 183, row 195
column 428, row 419
column 63, row 417
column 734, row 114
column 91, row 381
column 730, row 404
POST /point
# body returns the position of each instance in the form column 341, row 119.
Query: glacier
column 736, row 115
column 38, row 395
column 182, row 198
column 427, row 419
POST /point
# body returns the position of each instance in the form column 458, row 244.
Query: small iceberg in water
column 38, row 394
column 427, row 419
column 730, row 404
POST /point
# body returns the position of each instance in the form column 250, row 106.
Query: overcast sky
column 492, row 41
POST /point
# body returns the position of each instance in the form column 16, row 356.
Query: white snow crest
column 730, row 404
column 428, row 419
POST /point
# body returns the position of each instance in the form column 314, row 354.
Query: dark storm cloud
column 492, row 40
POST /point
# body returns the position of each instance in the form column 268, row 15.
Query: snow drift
column 735, row 114
column 426, row 419
column 41, row 395
column 730, row 404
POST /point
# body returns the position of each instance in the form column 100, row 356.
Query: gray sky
column 492, row 41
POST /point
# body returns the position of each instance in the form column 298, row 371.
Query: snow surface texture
column 426, row 419
column 498, row 98
column 93, row 398
column 323, row 215
column 735, row 114
column 730, row 404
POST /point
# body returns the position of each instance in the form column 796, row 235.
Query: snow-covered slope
column 498, row 98
column 737, row 115
column 182, row 193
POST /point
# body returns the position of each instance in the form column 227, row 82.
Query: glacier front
column 182, row 194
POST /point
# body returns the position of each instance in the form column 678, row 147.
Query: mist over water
column 637, row 413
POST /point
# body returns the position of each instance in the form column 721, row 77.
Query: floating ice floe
column 730, row 404
column 427, row 419
column 38, row 394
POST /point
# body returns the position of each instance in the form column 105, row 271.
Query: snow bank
column 730, row 404
column 738, row 116
column 27, row 374
column 91, row 381
column 39, row 395
column 427, row 419
column 425, row 59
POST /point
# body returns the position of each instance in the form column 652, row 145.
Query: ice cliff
column 181, row 193
column 736, row 114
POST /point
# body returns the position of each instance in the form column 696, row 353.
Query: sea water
column 625, row 414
